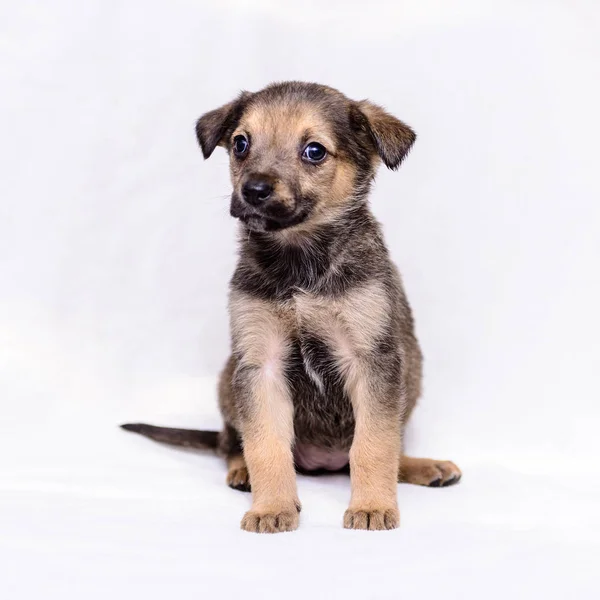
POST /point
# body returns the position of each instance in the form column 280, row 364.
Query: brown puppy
column 325, row 368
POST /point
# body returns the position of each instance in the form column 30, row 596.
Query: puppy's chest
column 319, row 333
column 316, row 372
column 317, row 344
column 331, row 335
column 348, row 325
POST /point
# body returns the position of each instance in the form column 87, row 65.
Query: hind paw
column 428, row 472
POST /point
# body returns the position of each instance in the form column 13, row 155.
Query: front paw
column 271, row 520
column 372, row 519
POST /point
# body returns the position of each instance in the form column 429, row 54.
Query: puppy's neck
column 318, row 240
column 324, row 258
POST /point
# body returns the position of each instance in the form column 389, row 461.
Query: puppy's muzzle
column 260, row 206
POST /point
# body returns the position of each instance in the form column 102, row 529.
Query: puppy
column 325, row 368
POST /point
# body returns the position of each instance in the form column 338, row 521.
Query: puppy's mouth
column 272, row 217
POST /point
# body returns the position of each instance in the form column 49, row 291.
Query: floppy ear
column 213, row 127
column 392, row 138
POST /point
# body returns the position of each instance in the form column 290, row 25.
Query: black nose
column 257, row 190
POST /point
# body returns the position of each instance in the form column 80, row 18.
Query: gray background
column 116, row 245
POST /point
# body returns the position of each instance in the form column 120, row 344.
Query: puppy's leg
column 267, row 435
column 425, row 471
column 261, row 339
column 374, row 458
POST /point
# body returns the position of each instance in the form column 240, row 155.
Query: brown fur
column 324, row 361
column 237, row 473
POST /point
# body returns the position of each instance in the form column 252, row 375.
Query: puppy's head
column 301, row 153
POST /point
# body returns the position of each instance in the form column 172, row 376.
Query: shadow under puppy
column 325, row 368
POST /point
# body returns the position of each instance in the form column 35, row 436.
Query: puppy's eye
column 314, row 153
column 240, row 146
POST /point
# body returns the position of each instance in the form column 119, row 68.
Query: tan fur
column 376, row 446
column 349, row 323
column 237, row 472
column 261, row 337
column 268, row 454
column 425, row 471
column 377, row 437
column 336, row 191
column 276, row 130
column 284, row 121
column 340, row 190
column 268, row 437
column 260, row 332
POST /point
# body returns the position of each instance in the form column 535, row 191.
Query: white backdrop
column 116, row 248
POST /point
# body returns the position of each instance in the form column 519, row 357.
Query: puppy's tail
column 188, row 438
